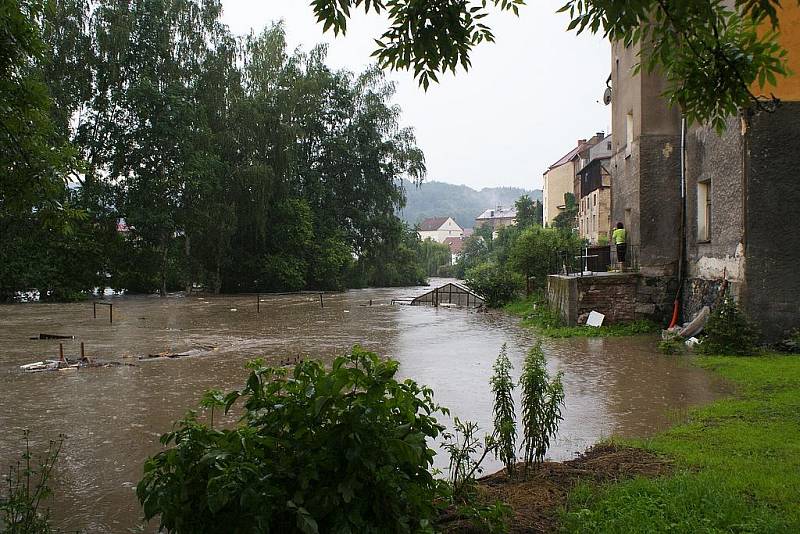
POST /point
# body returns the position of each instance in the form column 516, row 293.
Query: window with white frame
column 704, row 211
column 628, row 133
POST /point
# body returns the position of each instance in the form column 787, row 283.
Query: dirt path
column 536, row 501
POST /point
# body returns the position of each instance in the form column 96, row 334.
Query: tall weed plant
column 505, row 418
column 542, row 401
column 24, row 490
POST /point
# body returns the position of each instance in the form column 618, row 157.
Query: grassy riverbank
column 737, row 463
column 536, row 314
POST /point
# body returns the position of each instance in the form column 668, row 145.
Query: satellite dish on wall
column 607, row 96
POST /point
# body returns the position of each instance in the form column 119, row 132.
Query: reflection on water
column 113, row 416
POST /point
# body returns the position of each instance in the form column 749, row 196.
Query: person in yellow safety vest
column 619, row 237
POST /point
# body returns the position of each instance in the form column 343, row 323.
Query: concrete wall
column 788, row 88
column 646, row 174
column 772, row 221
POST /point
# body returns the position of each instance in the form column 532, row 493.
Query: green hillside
column 462, row 203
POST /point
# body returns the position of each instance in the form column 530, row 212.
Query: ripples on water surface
column 113, row 416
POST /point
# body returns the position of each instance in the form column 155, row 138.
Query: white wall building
column 439, row 228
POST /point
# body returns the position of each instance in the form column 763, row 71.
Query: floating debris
column 52, row 336
column 173, row 355
column 69, row 365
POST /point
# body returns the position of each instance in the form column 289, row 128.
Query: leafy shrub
column 542, row 400
column 536, row 251
column 494, row 283
column 728, row 331
column 339, row 450
column 467, row 453
column 27, row 486
column 791, row 343
column 505, row 419
column 672, row 343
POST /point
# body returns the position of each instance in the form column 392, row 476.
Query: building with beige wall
column 560, row 179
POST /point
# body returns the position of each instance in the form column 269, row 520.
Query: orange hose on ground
column 674, row 320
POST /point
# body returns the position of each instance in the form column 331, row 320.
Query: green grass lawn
column 536, row 314
column 737, row 463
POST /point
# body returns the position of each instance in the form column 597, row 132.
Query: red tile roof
column 432, row 224
column 455, row 244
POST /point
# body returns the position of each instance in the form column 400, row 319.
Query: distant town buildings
column 497, row 218
column 439, row 228
column 593, row 192
column 456, row 244
column 562, row 178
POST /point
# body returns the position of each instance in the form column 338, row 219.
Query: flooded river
column 112, row 417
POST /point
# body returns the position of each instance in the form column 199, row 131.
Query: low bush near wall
column 728, row 331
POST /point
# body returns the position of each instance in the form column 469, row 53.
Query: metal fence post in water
column 258, row 303
column 110, row 310
column 321, row 304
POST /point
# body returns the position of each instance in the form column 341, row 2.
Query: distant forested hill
column 460, row 202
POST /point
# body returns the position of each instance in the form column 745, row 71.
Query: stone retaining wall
column 621, row 297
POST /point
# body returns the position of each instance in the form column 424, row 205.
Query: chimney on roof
column 600, row 135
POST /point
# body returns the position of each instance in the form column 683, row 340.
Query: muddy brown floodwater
column 112, row 417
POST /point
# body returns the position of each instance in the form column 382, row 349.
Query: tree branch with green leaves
column 711, row 53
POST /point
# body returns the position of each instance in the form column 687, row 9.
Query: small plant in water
column 542, row 400
column 505, row 419
column 728, row 331
column 671, row 344
column 25, row 489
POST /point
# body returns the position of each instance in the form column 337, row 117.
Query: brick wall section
column 622, row 298
column 613, row 296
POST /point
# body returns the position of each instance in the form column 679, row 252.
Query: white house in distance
column 439, row 228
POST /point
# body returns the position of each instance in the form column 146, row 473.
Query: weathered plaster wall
column 772, row 224
column 718, row 159
column 659, row 204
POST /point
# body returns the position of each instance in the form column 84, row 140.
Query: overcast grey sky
column 524, row 103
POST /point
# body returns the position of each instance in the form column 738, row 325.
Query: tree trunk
column 163, row 290
column 189, row 277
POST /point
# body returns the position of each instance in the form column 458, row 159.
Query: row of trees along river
column 234, row 163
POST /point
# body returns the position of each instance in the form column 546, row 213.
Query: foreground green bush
column 339, row 450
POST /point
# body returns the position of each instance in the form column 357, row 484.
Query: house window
column 628, row 133
column 704, row 211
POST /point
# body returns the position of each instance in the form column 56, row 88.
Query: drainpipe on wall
column 682, row 250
